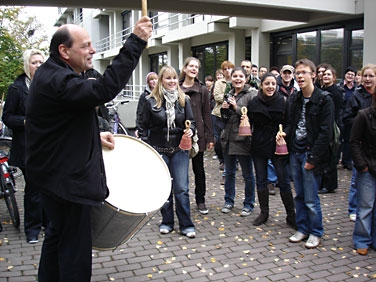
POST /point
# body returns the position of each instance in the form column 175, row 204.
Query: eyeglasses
column 302, row 72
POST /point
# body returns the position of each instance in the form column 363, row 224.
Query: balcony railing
column 162, row 23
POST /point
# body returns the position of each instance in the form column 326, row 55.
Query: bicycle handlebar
column 115, row 103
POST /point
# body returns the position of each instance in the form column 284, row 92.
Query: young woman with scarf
column 162, row 126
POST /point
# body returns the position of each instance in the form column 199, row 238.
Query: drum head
column 137, row 177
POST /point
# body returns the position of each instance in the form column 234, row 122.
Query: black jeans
column 34, row 217
column 281, row 168
column 200, row 178
column 67, row 247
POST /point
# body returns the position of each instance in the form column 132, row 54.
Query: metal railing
column 162, row 23
column 131, row 92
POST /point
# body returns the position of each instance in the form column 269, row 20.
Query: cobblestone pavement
column 227, row 247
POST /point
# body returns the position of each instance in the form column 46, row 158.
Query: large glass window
column 340, row 45
column 356, row 48
column 211, row 56
column 306, row 45
column 331, row 49
column 282, row 51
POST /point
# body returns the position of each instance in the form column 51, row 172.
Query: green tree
column 17, row 33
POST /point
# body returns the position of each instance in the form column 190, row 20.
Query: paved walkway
column 227, row 247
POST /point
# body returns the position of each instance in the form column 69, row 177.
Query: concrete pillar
column 236, row 46
column 184, row 51
column 260, row 48
column 369, row 54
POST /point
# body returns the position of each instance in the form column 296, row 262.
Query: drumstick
column 144, row 10
column 144, row 7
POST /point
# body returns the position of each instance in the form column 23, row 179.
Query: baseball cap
column 287, row 67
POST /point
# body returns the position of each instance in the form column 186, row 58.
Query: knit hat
column 149, row 74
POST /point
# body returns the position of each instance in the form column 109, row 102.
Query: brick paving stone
column 227, row 247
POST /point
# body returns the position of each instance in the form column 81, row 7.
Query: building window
column 248, row 49
column 127, row 24
column 356, row 48
column 282, row 51
column 339, row 44
column 306, row 45
column 211, row 57
column 331, row 49
column 157, row 61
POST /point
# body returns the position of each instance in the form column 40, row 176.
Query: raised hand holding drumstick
column 143, row 28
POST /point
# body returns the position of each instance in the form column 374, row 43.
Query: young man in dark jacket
column 308, row 133
column 63, row 144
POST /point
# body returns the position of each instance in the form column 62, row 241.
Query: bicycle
column 8, row 187
column 115, row 122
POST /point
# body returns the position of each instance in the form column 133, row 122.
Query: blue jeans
column 352, row 193
column 307, row 201
column 364, row 234
column 178, row 164
column 272, row 176
column 280, row 169
column 245, row 162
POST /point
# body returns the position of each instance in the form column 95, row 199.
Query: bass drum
column 140, row 184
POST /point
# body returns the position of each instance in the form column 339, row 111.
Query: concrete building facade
column 336, row 32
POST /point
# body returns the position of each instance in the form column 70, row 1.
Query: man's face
column 254, row 71
column 262, row 71
column 247, row 67
column 304, row 76
column 350, row 76
column 287, row 76
column 80, row 54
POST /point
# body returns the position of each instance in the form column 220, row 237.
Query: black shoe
column 326, row 191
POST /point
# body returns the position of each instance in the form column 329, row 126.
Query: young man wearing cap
column 286, row 81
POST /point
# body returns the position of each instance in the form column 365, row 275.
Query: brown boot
column 263, row 197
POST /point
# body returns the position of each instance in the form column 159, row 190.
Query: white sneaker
column 297, row 237
column 164, row 231
column 190, row 234
column 352, row 217
column 246, row 212
column 312, row 242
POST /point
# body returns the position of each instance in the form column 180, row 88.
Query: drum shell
column 139, row 183
column 112, row 227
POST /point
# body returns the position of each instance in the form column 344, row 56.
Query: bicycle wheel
column 5, row 144
column 11, row 202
